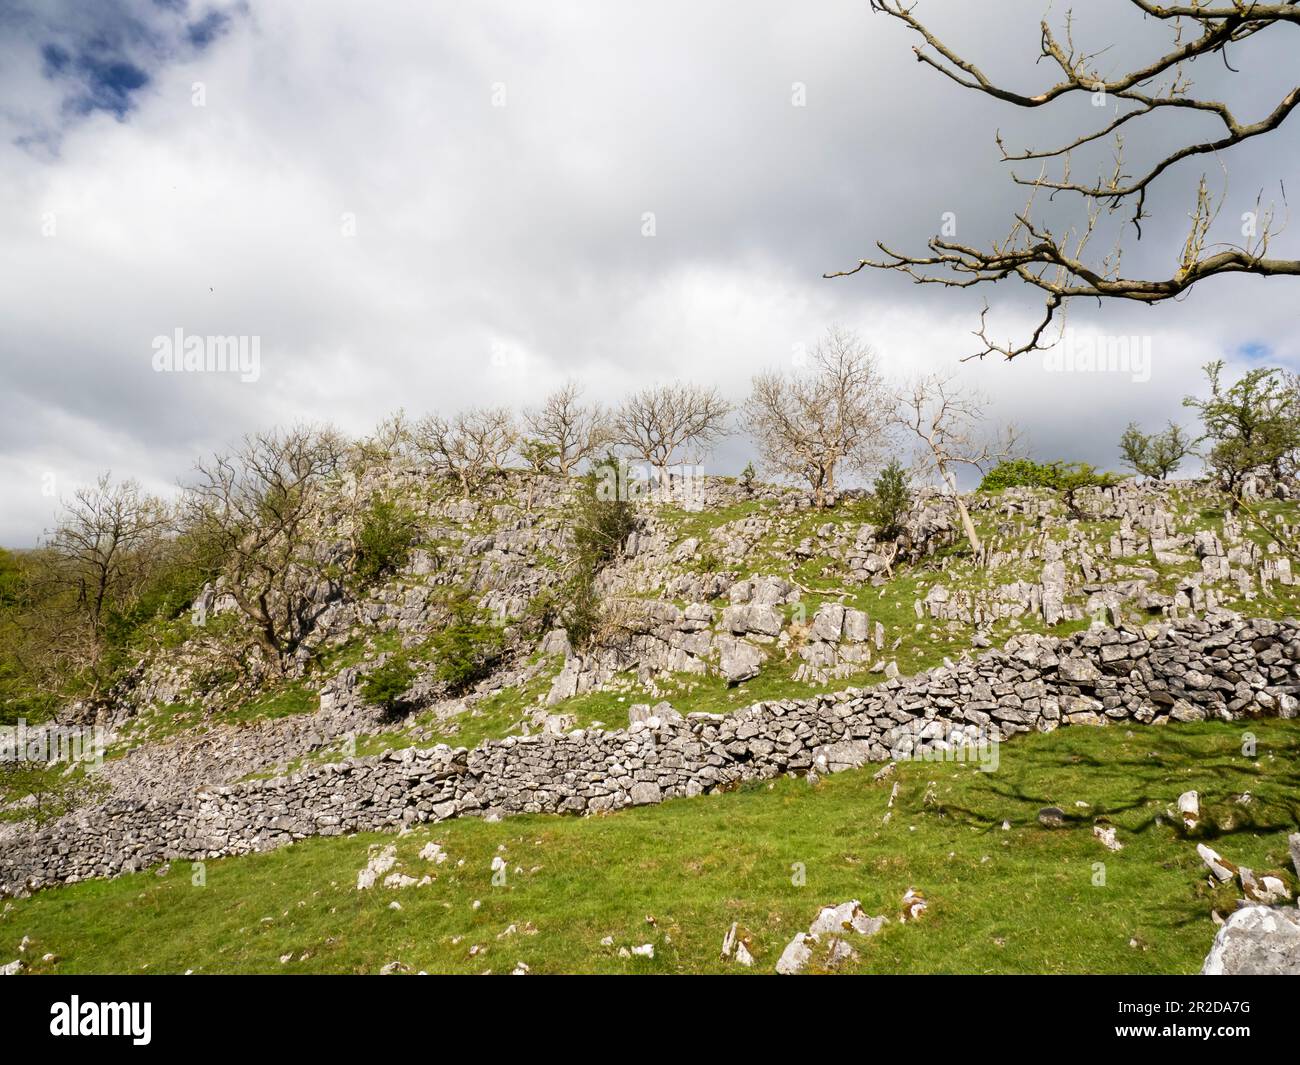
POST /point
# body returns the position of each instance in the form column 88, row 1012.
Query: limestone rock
column 797, row 955
column 846, row 917
column 1256, row 941
column 739, row 660
column 1223, row 870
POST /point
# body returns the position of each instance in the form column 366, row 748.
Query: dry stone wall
column 1230, row 669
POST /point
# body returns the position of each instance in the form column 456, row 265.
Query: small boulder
column 1222, row 869
column 797, row 954
column 1051, row 817
column 1256, row 941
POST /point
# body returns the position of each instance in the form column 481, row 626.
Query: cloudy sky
column 435, row 205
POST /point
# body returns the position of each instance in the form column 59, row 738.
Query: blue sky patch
column 1255, row 350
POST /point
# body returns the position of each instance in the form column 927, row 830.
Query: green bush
column 747, row 476
column 1022, row 473
column 385, row 685
column 890, row 501
column 602, row 519
column 1067, row 478
column 468, row 646
column 383, row 541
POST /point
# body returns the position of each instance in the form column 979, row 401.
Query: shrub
column 1078, row 475
column 1065, row 477
column 1154, row 455
column 468, row 646
column 601, row 522
column 891, row 500
column 1022, row 473
column 747, row 476
column 385, row 685
column 383, row 540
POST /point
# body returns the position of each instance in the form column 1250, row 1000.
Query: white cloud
column 498, row 251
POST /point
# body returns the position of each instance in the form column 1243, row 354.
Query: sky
column 431, row 206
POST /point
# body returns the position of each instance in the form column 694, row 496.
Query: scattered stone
column 729, row 941
column 1051, row 817
column 379, row 864
column 797, row 954
column 914, row 905
column 838, row 952
column 432, row 852
column 1267, row 890
column 1106, row 834
column 1223, row 870
column 1189, row 806
column 846, row 917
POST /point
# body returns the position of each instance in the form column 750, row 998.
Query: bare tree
column 567, row 429
column 1059, row 263
column 828, row 417
column 392, row 439
column 473, row 445
column 658, row 423
column 259, row 508
column 946, row 424
column 101, row 553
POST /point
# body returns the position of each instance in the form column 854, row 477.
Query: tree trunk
column 966, row 523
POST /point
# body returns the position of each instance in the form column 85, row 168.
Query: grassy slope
column 1021, row 900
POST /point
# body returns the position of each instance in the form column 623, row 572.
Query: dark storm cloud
column 100, row 54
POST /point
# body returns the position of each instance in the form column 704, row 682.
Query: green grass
column 1021, row 900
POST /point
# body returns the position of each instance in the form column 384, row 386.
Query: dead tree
column 471, row 447
column 567, row 429
column 828, row 417
column 99, row 556
column 1059, row 263
column 946, row 424
column 658, row 424
column 259, row 509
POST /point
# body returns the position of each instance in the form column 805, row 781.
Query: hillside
column 765, row 623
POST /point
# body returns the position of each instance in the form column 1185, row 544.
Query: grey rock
column 1256, row 941
column 797, row 954
column 739, row 660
